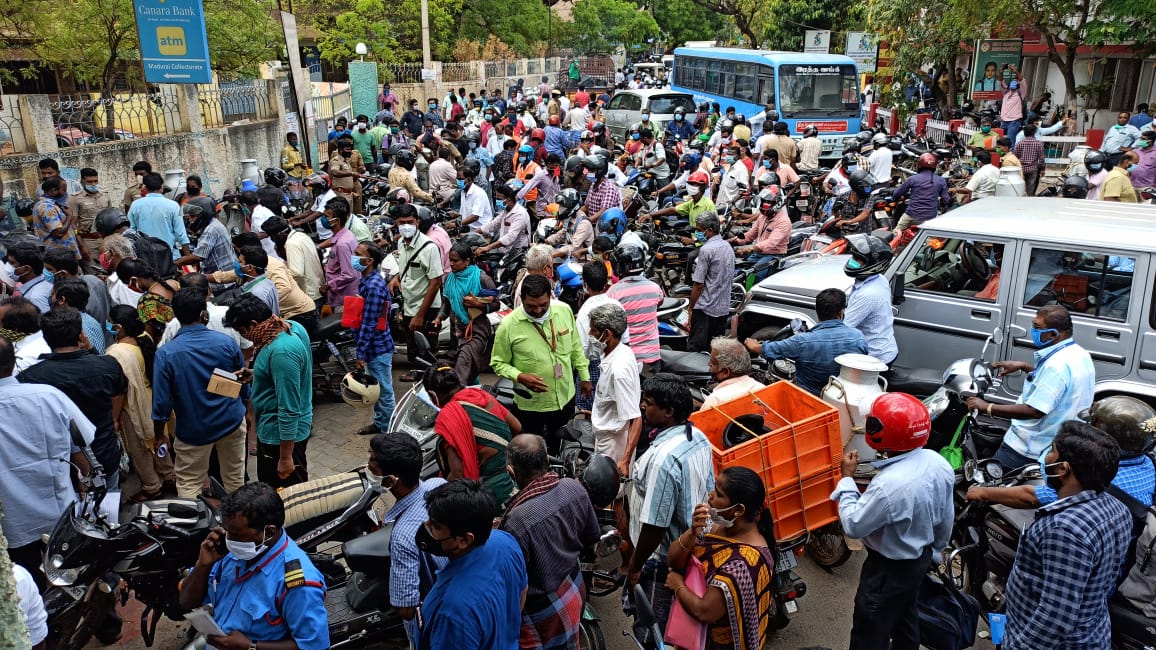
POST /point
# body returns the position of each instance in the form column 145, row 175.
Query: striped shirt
column 672, row 477
column 640, row 298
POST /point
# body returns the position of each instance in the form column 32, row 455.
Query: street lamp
column 361, row 50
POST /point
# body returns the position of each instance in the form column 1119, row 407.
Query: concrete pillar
column 189, row 107
column 39, row 131
column 363, row 87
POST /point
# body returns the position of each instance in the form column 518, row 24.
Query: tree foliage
column 783, row 24
column 522, row 24
column 602, row 25
column 684, row 20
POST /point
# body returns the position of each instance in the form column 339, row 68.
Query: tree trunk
column 13, row 630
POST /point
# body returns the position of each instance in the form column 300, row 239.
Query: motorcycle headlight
column 56, row 561
column 62, row 578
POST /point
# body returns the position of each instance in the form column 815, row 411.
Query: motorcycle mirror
column 997, row 336
column 77, row 438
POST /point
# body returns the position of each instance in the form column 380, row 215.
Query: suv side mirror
column 997, row 336
column 897, row 295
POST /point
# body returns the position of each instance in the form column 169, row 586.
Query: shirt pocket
column 262, row 615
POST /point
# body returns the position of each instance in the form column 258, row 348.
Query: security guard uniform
column 85, row 207
column 281, row 596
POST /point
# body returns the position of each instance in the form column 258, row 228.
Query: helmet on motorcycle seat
column 771, row 200
column 926, row 161
column 567, row 201
column 554, row 121
column 405, row 159
column 699, row 178
column 598, row 128
column 629, row 259
column 360, row 389
column 473, row 240
column 108, row 220
column 966, row 378
column 573, row 165
column 318, row 182
column 1130, row 421
column 861, row 181
column 880, row 139
column 601, row 480
column 596, row 164
column 743, row 428
column 275, row 176
column 538, row 134
column 1075, row 187
column 691, row 160
column 1096, row 158
column 397, row 148
column 810, row 131
column 869, row 256
column 897, row 422
column 771, row 179
column 24, row 207
column 471, row 168
column 612, row 222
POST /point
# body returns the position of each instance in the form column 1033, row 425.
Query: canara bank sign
column 171, row 10
column 173, row 41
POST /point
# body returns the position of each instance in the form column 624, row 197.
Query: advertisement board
column 992, row 58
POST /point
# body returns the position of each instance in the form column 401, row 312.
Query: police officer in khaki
column 85, row 205
column 342, row 174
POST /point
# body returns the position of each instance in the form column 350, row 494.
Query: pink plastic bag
column 682, row 629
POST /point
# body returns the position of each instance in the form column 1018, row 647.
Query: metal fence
column 232, row 102
column 11, row 129
column 403, row 73
column 88, row 118
column 458, row 72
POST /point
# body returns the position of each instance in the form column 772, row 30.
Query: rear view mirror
column 77, row 438
column 997, row 336
column 897, row 295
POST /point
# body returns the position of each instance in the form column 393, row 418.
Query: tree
column 747, row 15
column 784, row 26
column 684, row 20
column 390, row 29
column 521, row 24
column 601, row 25
column 369, row 22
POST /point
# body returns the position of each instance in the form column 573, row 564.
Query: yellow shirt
column 291, row 300
column 292, row 162
column 400, row 177
column 1117, row 185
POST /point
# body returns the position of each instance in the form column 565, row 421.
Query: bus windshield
column 818, row 91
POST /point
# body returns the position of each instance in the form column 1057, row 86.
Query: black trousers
column 31, row 557
column 546, row 423
column 267, row 457
column 401, row 332
column 703, row 329
column 1031, row 183
column 310, row 321
column 885, row 605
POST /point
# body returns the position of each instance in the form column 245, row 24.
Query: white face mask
column 407, row 230
column 540, row 320
column 246, row 550
column 720, row 521
column 694, row 190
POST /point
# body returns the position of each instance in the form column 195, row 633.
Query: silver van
column 993, row 263
column 625, row 109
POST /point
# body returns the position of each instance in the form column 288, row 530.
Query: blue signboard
column 174, row 45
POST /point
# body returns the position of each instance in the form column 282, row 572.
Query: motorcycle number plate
column 792, row 607
column 76, row 591
column 881, row 214
column 786, row 561
column 802, row 205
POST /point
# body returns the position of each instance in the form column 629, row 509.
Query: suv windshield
column 665, row 104
column 818, row 91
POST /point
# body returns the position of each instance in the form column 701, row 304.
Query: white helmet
column 360, row 390
column 880, row 139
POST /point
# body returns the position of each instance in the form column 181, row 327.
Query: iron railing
column 458, row 72
column 403, row 73
column 232, row 102
column 11, row 129
column 88, row 118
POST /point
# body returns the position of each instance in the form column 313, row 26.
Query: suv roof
column 647, row 93
column 1061, row 221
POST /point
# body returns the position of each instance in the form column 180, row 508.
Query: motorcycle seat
column 669, row 303
column 685, row 363
column 916, row 149
column 158, row 509
column 320, row 497
column 369, row 553
column 329, row 326
column 884, row 234
column 920, row 382
column 1128, row 622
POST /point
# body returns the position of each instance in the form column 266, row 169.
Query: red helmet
column 898, row 422
column 538, row 134
column 927, row 161
column 555, row 121
column 699, row 178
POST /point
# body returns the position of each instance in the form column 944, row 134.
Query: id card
column 557, row 371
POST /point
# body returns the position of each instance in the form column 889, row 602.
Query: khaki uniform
column 345, row 186
column 132, row 193
column 85, row 207
column 400, row 178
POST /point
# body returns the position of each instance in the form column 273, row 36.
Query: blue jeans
column 381, row 367
column 1011, row 459
column 1010, row 129
column 756, row 258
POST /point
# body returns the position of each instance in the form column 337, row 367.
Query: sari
column 744, row 574
column 471, row 419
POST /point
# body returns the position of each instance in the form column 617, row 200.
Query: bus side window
column 766, row 89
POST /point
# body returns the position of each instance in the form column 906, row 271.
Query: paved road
column 823, row 621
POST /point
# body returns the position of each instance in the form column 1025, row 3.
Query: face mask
column 376, row 481
column 985, row 129
column 1143, row 144
column 1037, row 335
column 245, row 550
column 1053, row 480
column 635, row 136
column 413, row 108
column 407, row 230
column 677, row 118
column 1095, row 167
column 393, row 130
column 193, row 191
column 695, row 190
column 237, row 269
column 110, row 328
column 591, row 177
column 92, row 189
column 461, row 185
column 645, row 117
column 500, row 204
column 719, row 520
column 104, row 263
column 729, row 160
column 356, row 263
column 428, row 543
column 325, row 223
column 540, row 320
column 433, row 107
column 767, row 164
column 361, row 125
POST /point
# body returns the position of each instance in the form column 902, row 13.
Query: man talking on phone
column 265, row 593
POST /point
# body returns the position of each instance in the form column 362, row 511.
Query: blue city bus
column 820, row 90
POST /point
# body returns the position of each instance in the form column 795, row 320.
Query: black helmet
column 471, row 168
column 567, row 201
column 1127, row 419
column 863, row 138
column 473, row 240
column 405, row 159
column 108, row 220
column 680, row 111
column 772, row 116
column 275, row 176
column 573, row 165
column 1095, row 158
column 596, row 164
column 598, row 128
column 24, row 207
column 629, row 259
column 781, row 128
column 869, row 256
column 744, row 428
column 425, row 218
column 1075, row 187
column 767, row 180
column 861, row 181
column 740, row 118
column 396, row 148
column 601, row 480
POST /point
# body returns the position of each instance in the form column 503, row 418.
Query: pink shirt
column 1013, row 105
column 441, row 239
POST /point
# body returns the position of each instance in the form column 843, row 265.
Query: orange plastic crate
column 799, row 509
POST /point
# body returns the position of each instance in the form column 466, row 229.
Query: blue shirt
column 407, row 562
column 372, row 342
column 1136, row 477
column 670, row 479
column 1140, row 120
column 928, row 194
column 1119, row 136
column 476, row 603
column 38, row 291
column 281, row 596
column 94, row 331
column 155, row 215
column 869, row 311
column 556, row 141
column 1062, row 385
column 814, row 352
column 37, row 485
column 1065, row 570
column 181, row 374
column 907, row 507
column 683, row 130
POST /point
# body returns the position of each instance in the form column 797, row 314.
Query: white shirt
column 762, row 143
column 216, row 323
column 576, row 118
column 28, row 351
column 618, row 392
column 564, row 103
column 582, row 319
column 260, row 215
column 729, row 191
column 731, row 389
column 495, row 142
column 31, row 605
column 120, row 293
column 879, row 164
column 475, row 202
column 528, row 121
column 319, row 206
column 983, row 181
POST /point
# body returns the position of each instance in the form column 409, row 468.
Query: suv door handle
column 1108, row 334
column 980, row 313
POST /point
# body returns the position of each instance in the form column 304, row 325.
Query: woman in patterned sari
column 738, row 557
column 474, row 430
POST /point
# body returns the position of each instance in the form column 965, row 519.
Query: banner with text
column 817, row 41
column 174, row 45
column 992, row 60
column 863, row 47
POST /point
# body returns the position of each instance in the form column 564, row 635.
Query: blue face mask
column 92, row 189
column 461, row 185
column 500, row 204
column 356, row 263
column 729, row 160
column 767, row 164
column 591, row 177
column 48, row 276
column 1037, row 335
column 109, row 327
column 325, row 222
column 238, row 271
column 677, row 118
column 635, row 136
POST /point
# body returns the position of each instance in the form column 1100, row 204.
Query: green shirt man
column 574, row 73
column 690, row 209
column 541, row 355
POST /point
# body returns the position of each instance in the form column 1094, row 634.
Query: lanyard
column 1049, row 355
column 553, row 341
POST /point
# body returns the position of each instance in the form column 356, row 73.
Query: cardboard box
column 224, row 383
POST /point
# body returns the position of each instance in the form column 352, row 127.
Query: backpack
column 156, row 253
column 1139, row 586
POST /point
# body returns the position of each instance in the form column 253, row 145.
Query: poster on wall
column 991, row 71
column 817, row 41
column 863, row 48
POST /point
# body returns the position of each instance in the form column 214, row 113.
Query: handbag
column 352, row 309
column 682, row 629
column 947, row 616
